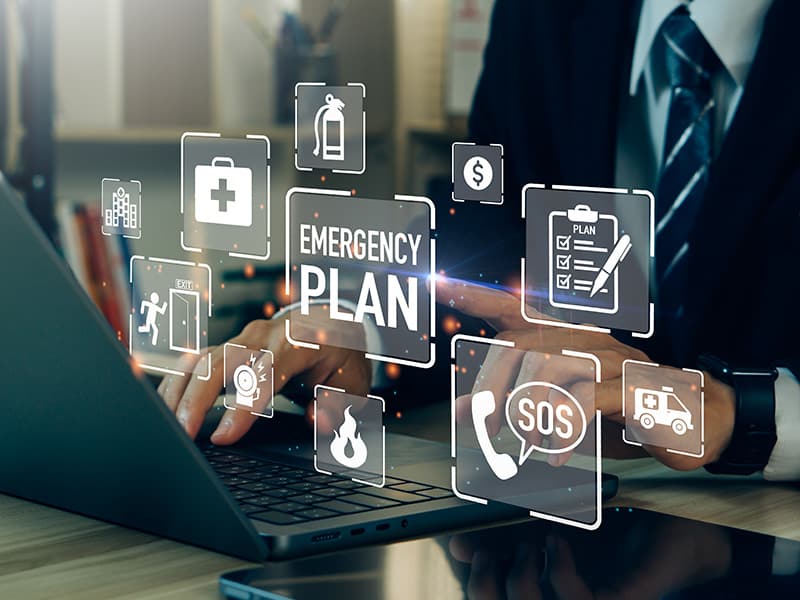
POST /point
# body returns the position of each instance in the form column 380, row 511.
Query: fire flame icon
column 347, row 436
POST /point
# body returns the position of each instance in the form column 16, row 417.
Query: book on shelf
column 100, row 262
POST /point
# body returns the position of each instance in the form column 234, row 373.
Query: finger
column 172, row 387
column 461, row 548
column 497, row 374
column 523, row 577
column 288, row 362
column 201, row 393
column 484, row 579
column 498, row 308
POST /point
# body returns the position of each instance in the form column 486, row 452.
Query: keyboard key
column 306, row 499
column 326, row 479
column 346, row 484
column 256, row 486
column 241, row 494
column 230, row 480
column 270, row 468
column 275, row 517
column 277, row 481
column 393, row 494
column 233, row 469
column 280, row 492
column 341, row 507
column 436, row 493
column 391, row 481
column 410, row 487
column 316, row 513
column 290, row 507
column 304, row 486
column 332, row 492
column 370, row 501
column 261, row 501
column 297, row 473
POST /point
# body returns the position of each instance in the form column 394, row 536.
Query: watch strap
column 754, row 432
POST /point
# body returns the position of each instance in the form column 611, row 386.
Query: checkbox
column 562, row 242
column 562, row 281
column 562, row 261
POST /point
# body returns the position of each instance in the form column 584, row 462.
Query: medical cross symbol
column 650, row 401
column 223, row 195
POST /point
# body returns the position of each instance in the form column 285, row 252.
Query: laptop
column 83, row 431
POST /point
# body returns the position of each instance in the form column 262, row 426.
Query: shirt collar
column 731, row 27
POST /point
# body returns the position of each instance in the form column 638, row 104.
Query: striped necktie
column 688, row 146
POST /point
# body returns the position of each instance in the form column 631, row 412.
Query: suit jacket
column 550, row 92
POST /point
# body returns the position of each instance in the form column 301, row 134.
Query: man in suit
column 694, row 100
column 697, row 102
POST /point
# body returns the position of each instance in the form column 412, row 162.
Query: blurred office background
column 105, row 88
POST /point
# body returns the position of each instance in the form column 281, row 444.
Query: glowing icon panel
column 663, row 407
column 225, row 194
column 477, row 173
column 121, row 208
column 349, row 435
column 330, row 127
column 171, row 304
column 526, row 431
column 588, row 253
column 249, row 382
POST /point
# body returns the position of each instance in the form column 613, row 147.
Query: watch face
column 245, row 379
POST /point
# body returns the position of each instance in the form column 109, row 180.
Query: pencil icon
column 619, row 252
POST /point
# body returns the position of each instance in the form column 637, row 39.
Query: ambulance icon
column 661, row 407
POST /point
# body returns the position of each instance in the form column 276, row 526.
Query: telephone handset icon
column 502, row 465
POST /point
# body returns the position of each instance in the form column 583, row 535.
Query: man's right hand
column 190, row 398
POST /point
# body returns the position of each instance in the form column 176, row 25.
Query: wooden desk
column 47, row 553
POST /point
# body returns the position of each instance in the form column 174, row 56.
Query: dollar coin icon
column 478, row 173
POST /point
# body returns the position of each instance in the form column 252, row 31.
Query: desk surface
column 45, row 552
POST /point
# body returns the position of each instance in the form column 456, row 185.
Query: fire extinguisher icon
column 332, row 134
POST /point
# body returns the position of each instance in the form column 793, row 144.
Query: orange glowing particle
column 452, row 211
column 104, row 284
column 222, row 286
column 483, row 332
column 353, row 192
column 236, row 246
column 268, row 309
column 316, row 215
column 392, row 371
column 249, row 271
column 472, row 352
column 398, row 414
column 340, row 370
column 450, row 325
column 322, row 178
column 294, row 267
column 463, row 369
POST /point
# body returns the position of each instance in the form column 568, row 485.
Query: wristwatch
column 754, row 425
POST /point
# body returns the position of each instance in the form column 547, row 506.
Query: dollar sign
column 477, row 174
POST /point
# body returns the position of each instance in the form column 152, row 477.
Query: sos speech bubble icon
column 543, row 410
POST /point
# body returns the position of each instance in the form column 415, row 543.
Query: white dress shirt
column 733, row 30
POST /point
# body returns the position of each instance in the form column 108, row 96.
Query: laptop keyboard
column 284, row 495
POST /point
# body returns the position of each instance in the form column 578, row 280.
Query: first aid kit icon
column 223, row 193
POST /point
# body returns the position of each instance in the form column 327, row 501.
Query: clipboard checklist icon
column 585, row 251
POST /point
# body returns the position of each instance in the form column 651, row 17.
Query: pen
column 617, row 254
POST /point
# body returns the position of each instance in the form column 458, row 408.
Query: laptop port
column 327, row 537
column 357, row 531
column 382, row 527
